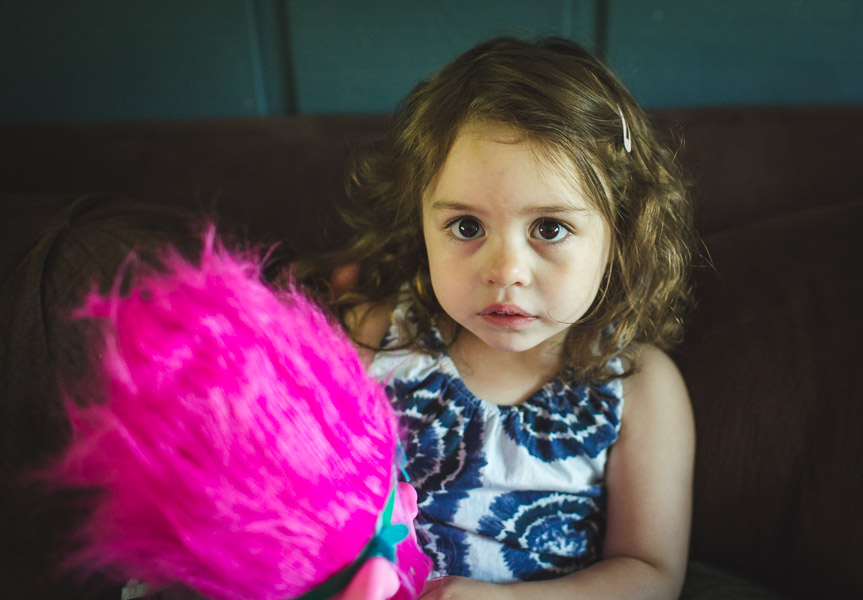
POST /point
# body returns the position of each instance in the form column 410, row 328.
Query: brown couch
column 769, row 356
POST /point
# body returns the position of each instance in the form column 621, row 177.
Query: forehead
column 490, row 155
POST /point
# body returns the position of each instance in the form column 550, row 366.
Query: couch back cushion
column 770, row 358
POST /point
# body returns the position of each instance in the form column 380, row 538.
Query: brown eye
column 549, row 230
column 466, row 228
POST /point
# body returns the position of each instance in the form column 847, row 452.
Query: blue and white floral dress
column 505, row 493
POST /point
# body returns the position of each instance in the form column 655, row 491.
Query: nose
column 506, row 265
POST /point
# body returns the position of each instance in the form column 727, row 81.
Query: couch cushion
column 275, row 179
column 54, row 248
column 753, row 162
column 707, row 582
column 771, row 358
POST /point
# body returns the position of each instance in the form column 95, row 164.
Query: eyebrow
column 545, row 209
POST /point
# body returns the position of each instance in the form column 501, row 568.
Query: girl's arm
column 649, row 478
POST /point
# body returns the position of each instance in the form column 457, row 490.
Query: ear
column 376, row 580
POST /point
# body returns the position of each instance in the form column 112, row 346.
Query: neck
column 498, row 376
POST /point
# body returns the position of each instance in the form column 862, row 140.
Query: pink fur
column 239, row 446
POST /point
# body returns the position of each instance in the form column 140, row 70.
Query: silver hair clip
column 627, row 135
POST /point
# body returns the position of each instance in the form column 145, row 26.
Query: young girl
column 522, row 239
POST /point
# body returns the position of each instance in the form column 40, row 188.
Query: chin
column 510, row 343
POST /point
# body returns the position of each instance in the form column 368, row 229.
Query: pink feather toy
column 236, row 444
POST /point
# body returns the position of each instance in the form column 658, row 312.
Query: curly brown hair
column 565, row 101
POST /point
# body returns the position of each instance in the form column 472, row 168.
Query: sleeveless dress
column 505, row 493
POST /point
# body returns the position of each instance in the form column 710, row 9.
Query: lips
column 506, row 315
column 504, row 309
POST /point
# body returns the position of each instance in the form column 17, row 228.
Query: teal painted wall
column 696, row 52
column 64, row 60
column 131, row 59
column 349, row 57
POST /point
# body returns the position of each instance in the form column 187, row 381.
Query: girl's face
column 516, row 251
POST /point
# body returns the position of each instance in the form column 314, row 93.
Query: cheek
column 574, row 287
column 433, row 257
column 445, row 259
column 445, row 280
column 436, row 251
column 440, row 272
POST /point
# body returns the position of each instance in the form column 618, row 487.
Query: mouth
column 509, row 310
column 506, row 315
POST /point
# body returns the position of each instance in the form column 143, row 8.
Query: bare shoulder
column 649, row 471
column 656, row 385
column 367, row 323
column 657, row 425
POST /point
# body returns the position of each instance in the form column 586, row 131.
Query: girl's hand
column 461, row 588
